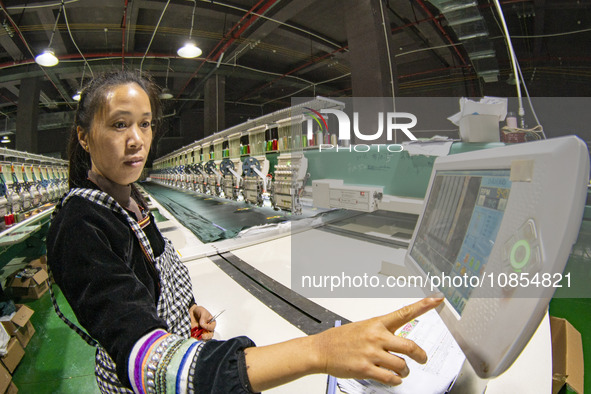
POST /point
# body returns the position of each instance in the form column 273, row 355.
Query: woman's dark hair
column 93, row 100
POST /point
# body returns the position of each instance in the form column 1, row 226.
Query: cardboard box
column 14, row 355
column 29, row 282
column 20, row 325
column 5, row 379
column 567, row 356
column 40, row 262
column 12, row 389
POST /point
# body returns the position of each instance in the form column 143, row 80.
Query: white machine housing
column 334, row 193
column 540, row 223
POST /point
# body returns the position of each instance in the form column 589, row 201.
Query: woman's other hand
column 200, row 318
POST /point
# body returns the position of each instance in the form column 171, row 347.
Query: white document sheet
column 445, row 359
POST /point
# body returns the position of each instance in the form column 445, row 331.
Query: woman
column 132, row 294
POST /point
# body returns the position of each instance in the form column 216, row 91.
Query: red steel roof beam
column 252, row 19
column 218, row 44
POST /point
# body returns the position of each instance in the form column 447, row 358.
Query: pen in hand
column 197, row 332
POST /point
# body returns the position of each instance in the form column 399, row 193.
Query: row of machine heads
column 26, row 186
column 246, row 180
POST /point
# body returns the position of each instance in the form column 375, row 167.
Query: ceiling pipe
column 123, row 27
column 442, row 30
column 209, row 56
column 105, row 55
column 154, row 35
column 435, row 70
column 7, row 100
column 16, row 28
column 431, row 17
column 242, row 29
column 204, row 79
column 415, row 23
column 220, row 53
column 293, row 71
column 234, row 27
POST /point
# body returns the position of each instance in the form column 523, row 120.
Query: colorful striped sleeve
column 161, row 363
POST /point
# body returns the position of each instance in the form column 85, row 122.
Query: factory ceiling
column 272, row 50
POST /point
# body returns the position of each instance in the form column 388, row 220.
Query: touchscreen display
column 459, row 228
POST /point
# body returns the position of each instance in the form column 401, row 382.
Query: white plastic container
column 480, row 128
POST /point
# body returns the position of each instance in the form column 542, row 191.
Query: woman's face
column 120, row 135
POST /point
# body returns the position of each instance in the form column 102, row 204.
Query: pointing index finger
column 394, row 320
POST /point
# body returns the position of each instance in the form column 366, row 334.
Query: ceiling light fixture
column 5, row 140
column 190, row 49
column 47, row 57
column 165, row 94
column 78, row 94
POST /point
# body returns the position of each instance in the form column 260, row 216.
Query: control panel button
column 520, row 254
column 522, row 251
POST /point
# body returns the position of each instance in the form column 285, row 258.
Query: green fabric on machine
column 211, row 218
